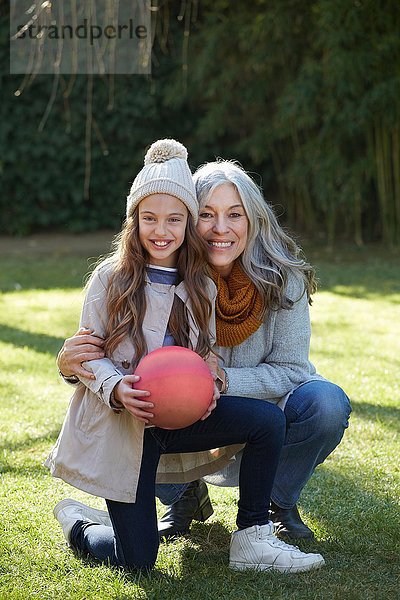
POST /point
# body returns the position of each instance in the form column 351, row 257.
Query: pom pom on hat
column 164, row 150
column 165, row 171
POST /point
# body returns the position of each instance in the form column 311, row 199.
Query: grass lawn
column 351, row 502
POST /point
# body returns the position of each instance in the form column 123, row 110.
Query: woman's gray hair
column 270, row 254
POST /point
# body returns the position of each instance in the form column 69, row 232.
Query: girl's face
column 162, row 225
column 223, row 224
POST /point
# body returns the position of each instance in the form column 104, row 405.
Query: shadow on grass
column 40, row 342
column 31, row 471
column 357, row 520
column 367, row 273
column 30, row 443
column 209, row 548
column 358, row 545
column 387, row 415
column 30, row 465
column 363, row 292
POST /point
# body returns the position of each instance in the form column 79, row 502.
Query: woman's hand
column 77, row 349
column 133, row 400
column 221, row 378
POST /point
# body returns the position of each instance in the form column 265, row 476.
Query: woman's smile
column 217, row 244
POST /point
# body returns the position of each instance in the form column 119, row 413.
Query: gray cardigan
column 270, row 364
column 274, row 361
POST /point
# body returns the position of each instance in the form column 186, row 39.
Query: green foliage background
column 305, row 94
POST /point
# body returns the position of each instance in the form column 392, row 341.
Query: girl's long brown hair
column 126, row 300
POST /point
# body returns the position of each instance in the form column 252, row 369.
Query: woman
column 263, row 335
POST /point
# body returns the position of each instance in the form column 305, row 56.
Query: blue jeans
column 132, row 541
column 317, row 414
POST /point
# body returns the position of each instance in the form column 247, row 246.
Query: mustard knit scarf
column 238, row 307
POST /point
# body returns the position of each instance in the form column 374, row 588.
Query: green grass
column 352, row 501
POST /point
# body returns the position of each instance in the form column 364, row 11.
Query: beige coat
column 99, row 450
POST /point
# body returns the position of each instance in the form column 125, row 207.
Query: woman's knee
column 334, row 407
column 322, row 402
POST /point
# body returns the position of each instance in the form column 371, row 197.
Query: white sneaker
column 258, row 548
column 68, row 511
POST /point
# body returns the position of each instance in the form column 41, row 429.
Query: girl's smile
column 162, row 226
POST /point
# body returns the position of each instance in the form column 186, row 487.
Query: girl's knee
column 270, row 413
column 143, row 563
column 145, row 568
column 135, row 556
column 271, row 419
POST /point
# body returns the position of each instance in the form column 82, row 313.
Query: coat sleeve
column 287, row 364
column 94, row 316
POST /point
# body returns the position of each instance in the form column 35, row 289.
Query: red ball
column 180, row 384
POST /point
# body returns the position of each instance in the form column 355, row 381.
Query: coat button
column 126, row 364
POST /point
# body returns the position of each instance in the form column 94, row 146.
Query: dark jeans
column 133, row 540
column 317, row 415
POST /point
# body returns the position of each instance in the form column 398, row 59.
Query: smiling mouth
column 221, row 245
column 161, row 243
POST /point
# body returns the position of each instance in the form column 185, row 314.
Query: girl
column 153, row 291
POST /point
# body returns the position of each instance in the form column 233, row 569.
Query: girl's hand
column 213, row 402
column 133, row 400
column 77, row 349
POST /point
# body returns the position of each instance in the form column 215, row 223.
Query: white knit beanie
column 165, row 171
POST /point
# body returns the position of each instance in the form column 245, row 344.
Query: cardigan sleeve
column 94, row 316
column 286, row 364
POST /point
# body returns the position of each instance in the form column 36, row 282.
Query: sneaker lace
column 281, row 544
column 276, row 542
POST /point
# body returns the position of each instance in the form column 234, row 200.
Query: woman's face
column 223, row 224
column 162, row 226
